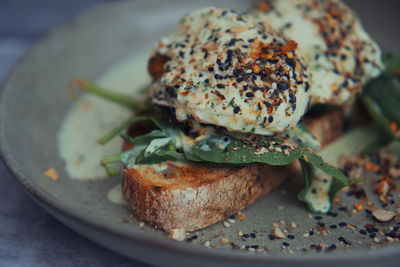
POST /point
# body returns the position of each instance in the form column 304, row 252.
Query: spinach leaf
column 321, row 187
column 229, row 150
column 381, row 100
column 392, row 64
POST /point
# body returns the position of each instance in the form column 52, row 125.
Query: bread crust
column 194, row 196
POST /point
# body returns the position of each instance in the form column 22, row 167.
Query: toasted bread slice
column 193, row 196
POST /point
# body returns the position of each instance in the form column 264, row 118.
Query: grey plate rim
column 46, row 200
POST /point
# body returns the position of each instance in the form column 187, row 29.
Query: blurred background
column 28, row 236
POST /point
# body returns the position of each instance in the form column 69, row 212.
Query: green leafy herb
column 119, row 128
column 381, row 100
column 315, row 182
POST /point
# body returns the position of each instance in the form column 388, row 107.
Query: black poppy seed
column 237, row 72
column 246, row 235
column 307, row 86
column 375, row 230
column 271, row 237
column 188, row 240
column 311, row 233
column 245, row 46
column 267, row 104
column 210, row 69
column 224, row 13
column 255, row 246
column 321, row 224
column 207, row 81
column 250, row 40
column 314, row 191
column 181, row 54
column 392, row 234
column 331, row 248
column 373, row 235
column 232, row 216
column 221, row 86
column 286, row 244
column 194, row 237
column 333, row 226
column 341, row 238
column 369, row 230
column 246, row 247
column 226, row 139
column 200, row 75
column 236, row 109
column 253, row 235
column 363, row 232
column 219, row 62
column 282, row 85
column 342, row 224
column 249, row 94
column 343, row 209
column 290, row 236
column 270, row 119
column 396, row 228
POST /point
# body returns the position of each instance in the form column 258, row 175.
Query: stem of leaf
column 89, row 87
column 119, row 128
column 111, row 159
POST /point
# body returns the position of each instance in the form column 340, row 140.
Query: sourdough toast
column 193, row 196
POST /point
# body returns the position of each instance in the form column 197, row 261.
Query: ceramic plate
column 34, row 102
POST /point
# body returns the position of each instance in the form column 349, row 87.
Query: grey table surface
column 28, row 235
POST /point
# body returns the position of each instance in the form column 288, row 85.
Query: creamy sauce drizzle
column 91, row 117
column 115, row 195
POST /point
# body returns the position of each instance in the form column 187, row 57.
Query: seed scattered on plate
column 278, row 233
column 383, row 215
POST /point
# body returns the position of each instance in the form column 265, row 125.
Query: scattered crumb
column 224, row 240
column 177, row 234
column 51, row 173
column 358, row 206
column 141, row 224
column 241, row 217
